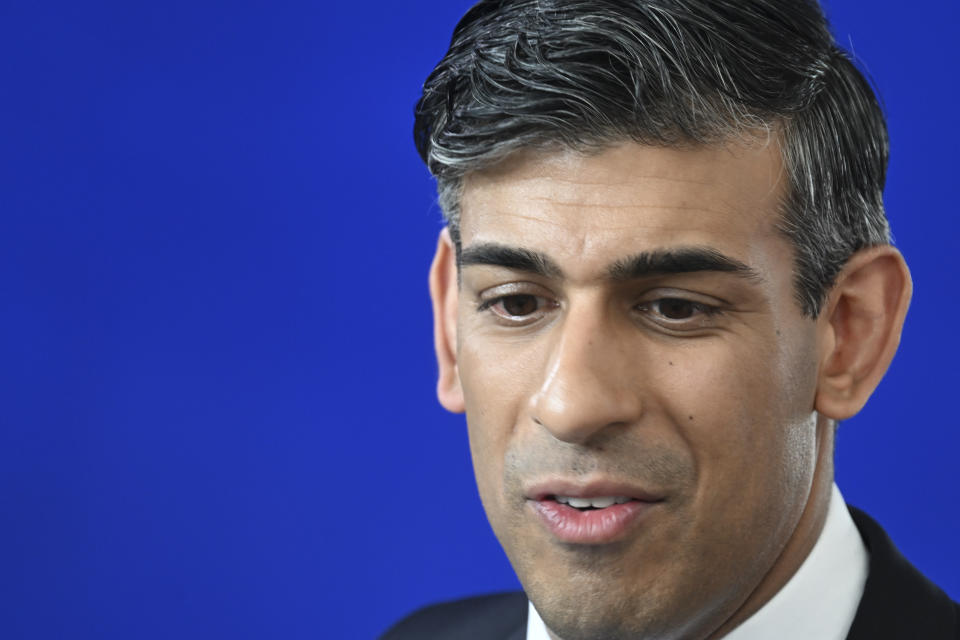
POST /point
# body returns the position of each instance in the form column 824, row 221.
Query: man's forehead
column 650, row 197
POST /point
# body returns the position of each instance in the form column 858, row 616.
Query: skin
column 709, row 389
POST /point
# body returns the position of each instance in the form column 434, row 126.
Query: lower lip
column 596, row 526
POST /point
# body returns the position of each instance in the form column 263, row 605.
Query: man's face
column 627, row 332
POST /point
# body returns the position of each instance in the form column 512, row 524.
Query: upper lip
column 593, row 488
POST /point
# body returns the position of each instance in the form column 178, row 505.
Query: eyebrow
column 679, row 260
column 499, row 255
column 640, row 265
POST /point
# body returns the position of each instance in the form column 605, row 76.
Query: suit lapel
column 898, row 601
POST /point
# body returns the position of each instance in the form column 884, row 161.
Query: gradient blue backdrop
column 216, row 408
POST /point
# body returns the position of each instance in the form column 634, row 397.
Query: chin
column 591, row 621
column 592, row 610
column 587, row 625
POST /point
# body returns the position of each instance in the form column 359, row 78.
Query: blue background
column 217, row 413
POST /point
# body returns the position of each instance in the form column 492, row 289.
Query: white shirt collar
column 819, row 601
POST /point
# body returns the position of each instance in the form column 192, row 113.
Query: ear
column 859, row 329
column 444, row 292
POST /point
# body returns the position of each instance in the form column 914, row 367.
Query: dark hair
column 587, row 74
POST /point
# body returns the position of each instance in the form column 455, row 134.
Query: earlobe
column 860, row 329
column 444, row 292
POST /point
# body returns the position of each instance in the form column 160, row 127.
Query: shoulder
column 899, row 601
column 494, row 617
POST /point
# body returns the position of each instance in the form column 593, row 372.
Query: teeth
column 602, row 503
column 596, row 503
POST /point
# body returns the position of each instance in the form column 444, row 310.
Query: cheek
column 746, row 415
column 494, row 401
column 733, row 402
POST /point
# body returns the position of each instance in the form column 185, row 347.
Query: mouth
column 588, row 504
column 591, row 514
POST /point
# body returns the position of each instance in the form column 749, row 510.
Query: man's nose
column 590, row 379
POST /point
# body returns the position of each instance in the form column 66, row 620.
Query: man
column 666, row 277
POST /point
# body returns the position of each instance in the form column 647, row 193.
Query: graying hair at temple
column 588, row 74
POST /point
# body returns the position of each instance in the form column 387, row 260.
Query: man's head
column 666, row 276
column 585, row 74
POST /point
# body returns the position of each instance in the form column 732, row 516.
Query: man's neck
column 819, row 601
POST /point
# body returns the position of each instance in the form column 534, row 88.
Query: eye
column 676, row 308
column 517, row 308
column 522, row 305
column 679, row 313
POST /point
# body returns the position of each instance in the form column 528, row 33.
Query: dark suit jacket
column 898, row 604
